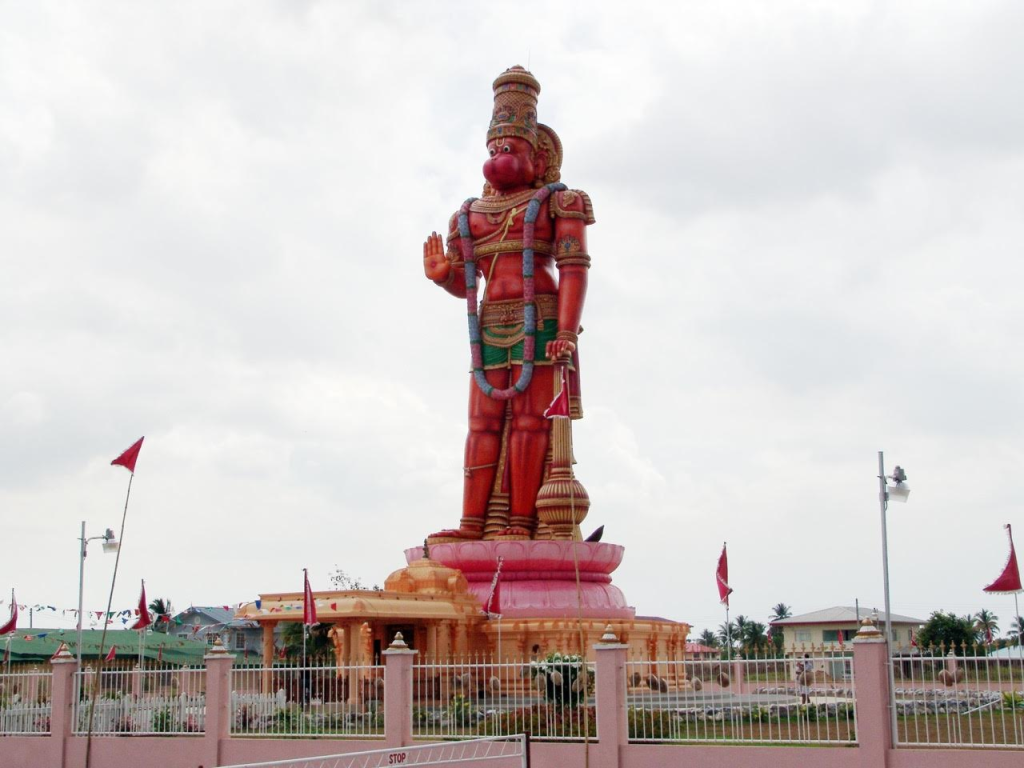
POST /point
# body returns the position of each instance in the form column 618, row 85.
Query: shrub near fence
column 319, row 699
column 943, row 699
column 142, row 701
column 550, row 698
column 758, row 699
column 25, row 703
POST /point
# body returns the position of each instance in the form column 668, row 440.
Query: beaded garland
column 529, row 308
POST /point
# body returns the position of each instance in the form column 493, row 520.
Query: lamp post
column 899, row 491
column 110, row 544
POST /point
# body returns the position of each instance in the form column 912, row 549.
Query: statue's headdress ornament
column 515, row 106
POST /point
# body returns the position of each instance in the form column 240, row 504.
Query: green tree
column 162, row 610
column 1016, row 630
column 753, row 637
column 779, row 611
column 708, row 638
column 728, row 632
column 987, row 624
column 948, row 631
column 318, row 644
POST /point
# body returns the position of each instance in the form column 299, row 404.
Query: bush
column 567, row 679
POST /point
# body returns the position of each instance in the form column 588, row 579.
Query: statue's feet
column 455, row 535
column 515, row 533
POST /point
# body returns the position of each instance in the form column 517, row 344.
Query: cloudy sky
column 807, row 250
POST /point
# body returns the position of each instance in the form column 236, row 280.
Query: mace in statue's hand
column 435, row 266
column 560, row 349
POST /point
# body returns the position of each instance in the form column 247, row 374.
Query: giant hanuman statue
column 526, row 237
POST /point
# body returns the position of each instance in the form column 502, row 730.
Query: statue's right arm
column 447, row 271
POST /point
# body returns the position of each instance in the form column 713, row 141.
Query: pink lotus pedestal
column 538, row 578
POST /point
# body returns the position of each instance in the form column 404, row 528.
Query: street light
column 898, row 491
column 110, row 544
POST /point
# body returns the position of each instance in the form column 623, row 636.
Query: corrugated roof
column 843, row 614
column 38, row 645
column 218, row 614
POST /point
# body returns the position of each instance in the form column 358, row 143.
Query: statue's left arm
column 572, row 212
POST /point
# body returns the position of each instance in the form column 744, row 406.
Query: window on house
column 832, row 635
column 802, row 635
column 239, row 641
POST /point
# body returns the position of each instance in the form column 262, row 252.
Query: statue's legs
column 528, row 447
column 483, row 443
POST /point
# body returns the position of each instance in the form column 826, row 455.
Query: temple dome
column 427, row 577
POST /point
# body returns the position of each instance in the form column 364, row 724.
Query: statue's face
column 512, row 163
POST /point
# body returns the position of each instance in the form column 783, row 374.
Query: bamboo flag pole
column 126, row 460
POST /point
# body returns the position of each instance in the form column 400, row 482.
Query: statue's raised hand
column 435, row 266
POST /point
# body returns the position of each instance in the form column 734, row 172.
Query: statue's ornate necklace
column 529, row 308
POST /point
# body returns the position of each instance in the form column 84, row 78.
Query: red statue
column 527, row 238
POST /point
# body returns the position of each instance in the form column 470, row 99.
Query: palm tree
column 780, row 611
column 754, row 637
column 708, row 638
column 162, row 610
column 1016, row 630
column 728, row 633
column 987, row 624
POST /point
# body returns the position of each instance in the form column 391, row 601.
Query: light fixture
column 899, row 490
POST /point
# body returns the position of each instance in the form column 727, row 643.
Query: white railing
column 164, row 700
column 949, row 700
column 319, row 699
column 549, row 699
column 25, row 703
column 511, row 750
column 804, row 698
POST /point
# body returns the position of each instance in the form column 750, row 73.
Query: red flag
column 12, row 622
column 493, row 605
column 144, row 619
column 1009, row 580
column 913, row 639
column 129, row 457
column 111, row 653
column 559, row 408
column 842, row 645
column 308, row 603
column 988, row 635
column 722, row 577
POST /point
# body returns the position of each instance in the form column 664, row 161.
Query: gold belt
column 510, row 312
column 511, row 246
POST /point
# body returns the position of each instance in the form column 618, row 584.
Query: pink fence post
column 874, row 729
column 62, row 705
column 218, row 702
column 398, row 660
column 736, row 670
column 610, row 691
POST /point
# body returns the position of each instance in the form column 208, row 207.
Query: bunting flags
column 111, row 653
column 308, row 603
column 129, row 457
column 722, row 578
column 1009, row 580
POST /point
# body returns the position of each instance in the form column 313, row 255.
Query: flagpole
column 103, row 636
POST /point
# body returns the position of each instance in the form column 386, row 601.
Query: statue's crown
column 515, row 106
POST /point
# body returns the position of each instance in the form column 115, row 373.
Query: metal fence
column 551, row 699
column 142, row 701
column 806, row 697
column 968, row 700
column 25, row 703
column 319, row 699
column 510, row 752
